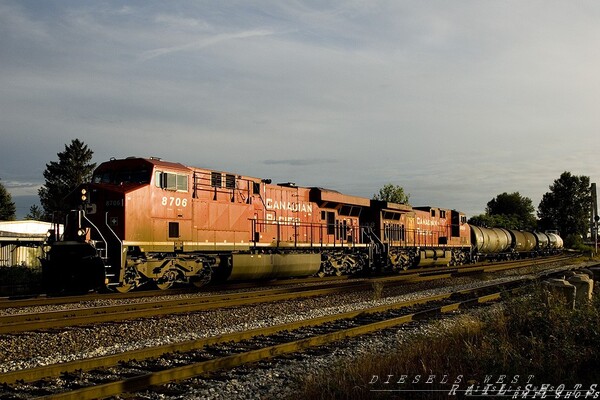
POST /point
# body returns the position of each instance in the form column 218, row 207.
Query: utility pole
column 594, row 218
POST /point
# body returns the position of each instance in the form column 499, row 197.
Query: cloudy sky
column 456, row 101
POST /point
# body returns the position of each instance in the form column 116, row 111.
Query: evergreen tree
column 7, row 206
column 35, row 213
column 63, row 176
column 393, row 194
column 567, row 206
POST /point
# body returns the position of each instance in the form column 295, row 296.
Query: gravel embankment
column 41, row 348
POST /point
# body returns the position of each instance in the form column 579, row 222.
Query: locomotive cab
column 139, row 207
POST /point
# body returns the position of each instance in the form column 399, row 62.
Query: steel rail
column 56, row 370
column 60, row 319
column 185, row 372
column 44, row 300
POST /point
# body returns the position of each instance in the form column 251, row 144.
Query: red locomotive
column 142, row 220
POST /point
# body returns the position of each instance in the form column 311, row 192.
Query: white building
column 21, row 242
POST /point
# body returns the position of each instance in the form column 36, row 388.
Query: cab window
column 171, row 181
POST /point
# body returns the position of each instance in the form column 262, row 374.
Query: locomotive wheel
column 124, row 287
column 164, row 285
column 130, row 280
column 167, row 280
column 203, row 277
column 200, row 281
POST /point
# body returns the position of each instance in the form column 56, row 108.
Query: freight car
column 506, row 244
column 147, row 220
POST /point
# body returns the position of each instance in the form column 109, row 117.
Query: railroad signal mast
column 594, row 218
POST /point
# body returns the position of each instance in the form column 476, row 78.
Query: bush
column 575, row 242
column 19, row 280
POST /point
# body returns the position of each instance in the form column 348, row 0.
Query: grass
column 526, row 337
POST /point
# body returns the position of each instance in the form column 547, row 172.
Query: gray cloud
column 202, row 43
column 298, row 162
column 456, row 102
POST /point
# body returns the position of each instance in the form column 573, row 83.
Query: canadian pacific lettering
column 288, row 205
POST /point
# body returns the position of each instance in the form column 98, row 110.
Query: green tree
column 566, row 207
column 35, row 213
column 392, row 193
column 496, row 221
column 7, row 206
column 515, row 209
column 63, row 176
column 509, row 211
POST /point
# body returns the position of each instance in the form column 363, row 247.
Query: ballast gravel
column 277, row 379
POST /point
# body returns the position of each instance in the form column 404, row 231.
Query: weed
column 524, row 337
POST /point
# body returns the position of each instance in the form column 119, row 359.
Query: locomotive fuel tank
column 431, row 257
column 490, row 240
column 271, row 266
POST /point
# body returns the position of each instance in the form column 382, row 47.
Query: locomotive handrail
column 201, row 181
column 97, row 230
column 111, row 229
column 311, row 229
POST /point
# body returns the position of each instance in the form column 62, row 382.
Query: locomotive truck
column 145, row 220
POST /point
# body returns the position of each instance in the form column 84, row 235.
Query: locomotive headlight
column 83, row 195
column 81, row 232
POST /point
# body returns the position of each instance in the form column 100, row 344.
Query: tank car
column 500, row 243
column 555, row 242
column 542, row 242
column 490, row 243
column 523, row 242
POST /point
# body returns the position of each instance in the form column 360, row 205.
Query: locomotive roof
column 167, row 164
column 138, row 161
column 158, row 162
column 391, row 206
column 325, row 195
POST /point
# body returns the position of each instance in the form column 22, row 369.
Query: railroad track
column 193, row 358
column 44, row 300
column 23, row 322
